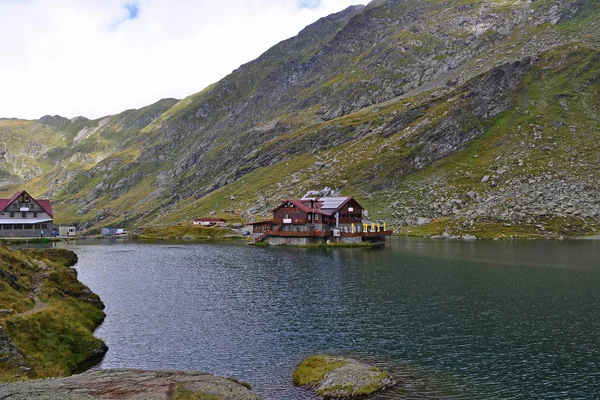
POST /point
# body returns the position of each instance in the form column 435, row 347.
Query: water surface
column 470, row 320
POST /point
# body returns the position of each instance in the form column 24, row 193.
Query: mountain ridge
column 395, row 79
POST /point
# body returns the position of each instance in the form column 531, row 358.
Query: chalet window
column 18, row 226
column 316, row 217
column 7, row 226
column 36, row 226
column 34, row 215
column 24, row 215
column 12, row 214
column 44, row 226
column 26, row 198
column 286, row 216
column 28, row 226
column 14, row 205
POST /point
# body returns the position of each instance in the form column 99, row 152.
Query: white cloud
column 94, row 58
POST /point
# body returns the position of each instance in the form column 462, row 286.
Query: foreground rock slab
column 128, row 384
column 333, row 377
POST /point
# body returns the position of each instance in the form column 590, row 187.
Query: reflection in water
column 472, row 320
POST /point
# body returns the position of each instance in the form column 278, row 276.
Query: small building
column 318, row 220
column 110, row 232
column 24, row 216
column 210, row 221
column 67, row 231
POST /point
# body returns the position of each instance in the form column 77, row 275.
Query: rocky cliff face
column 408, row 105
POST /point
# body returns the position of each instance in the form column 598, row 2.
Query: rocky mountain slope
column 472, row 112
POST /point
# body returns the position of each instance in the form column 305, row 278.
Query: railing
column 357, row 220
column 367, row 234
column 322, row 234
column 298, row 234
column 293, row 221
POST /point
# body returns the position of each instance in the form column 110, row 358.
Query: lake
column 451, row 319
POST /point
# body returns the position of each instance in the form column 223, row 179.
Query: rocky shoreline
column 48, row 318
column 130, row 384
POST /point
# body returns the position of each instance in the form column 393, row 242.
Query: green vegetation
column 53, row 317
column 335, row 391
column 545, row 228
column 312, row 370
column 184, row 394
column 183, row 232
column 386, row 120
column 343, row 391
column 315, row 372
column 372, row 387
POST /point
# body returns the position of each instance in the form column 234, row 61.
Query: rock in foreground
column 341, row 377
column 128, row 384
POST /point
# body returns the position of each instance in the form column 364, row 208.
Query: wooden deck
column 321, row 234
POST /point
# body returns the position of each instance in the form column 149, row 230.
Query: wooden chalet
column 315, row 220
column 24, row 216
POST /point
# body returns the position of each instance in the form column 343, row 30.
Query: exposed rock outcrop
column 129, row 384
column 388, row 91
column 334, row 377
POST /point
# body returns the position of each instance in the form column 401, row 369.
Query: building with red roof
column 210, row 221
column 24, row 216
column 318, row 219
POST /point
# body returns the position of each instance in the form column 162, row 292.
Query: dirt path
column 36, row 287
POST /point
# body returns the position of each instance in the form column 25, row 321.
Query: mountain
column 479, row 114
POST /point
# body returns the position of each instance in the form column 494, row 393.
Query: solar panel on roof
column 332, row 202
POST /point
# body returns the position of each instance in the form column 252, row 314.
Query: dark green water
column 468, row 320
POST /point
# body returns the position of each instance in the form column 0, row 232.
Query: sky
column 100, row 57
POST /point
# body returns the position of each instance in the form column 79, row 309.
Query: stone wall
column 291, row 241
column 296, row 241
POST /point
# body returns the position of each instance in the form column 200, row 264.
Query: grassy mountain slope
column 405, row 104
column 48, row 316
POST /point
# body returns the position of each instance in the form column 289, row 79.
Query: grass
column 183, row 231
column 377, row 169
column 339, row 391
column 544, row 228
column 374, row 167
column 313, row 370
column 373, row 387
column 55, row 340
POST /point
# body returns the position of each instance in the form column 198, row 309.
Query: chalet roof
column 261, row 222
column 322, row 205
column 332, row 202
column 298, row 203
column 44, row 204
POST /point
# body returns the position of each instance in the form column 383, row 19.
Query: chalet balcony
column 355, row 220
column 293, row 221
column 326, row 234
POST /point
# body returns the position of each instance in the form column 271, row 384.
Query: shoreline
column 49, row 316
